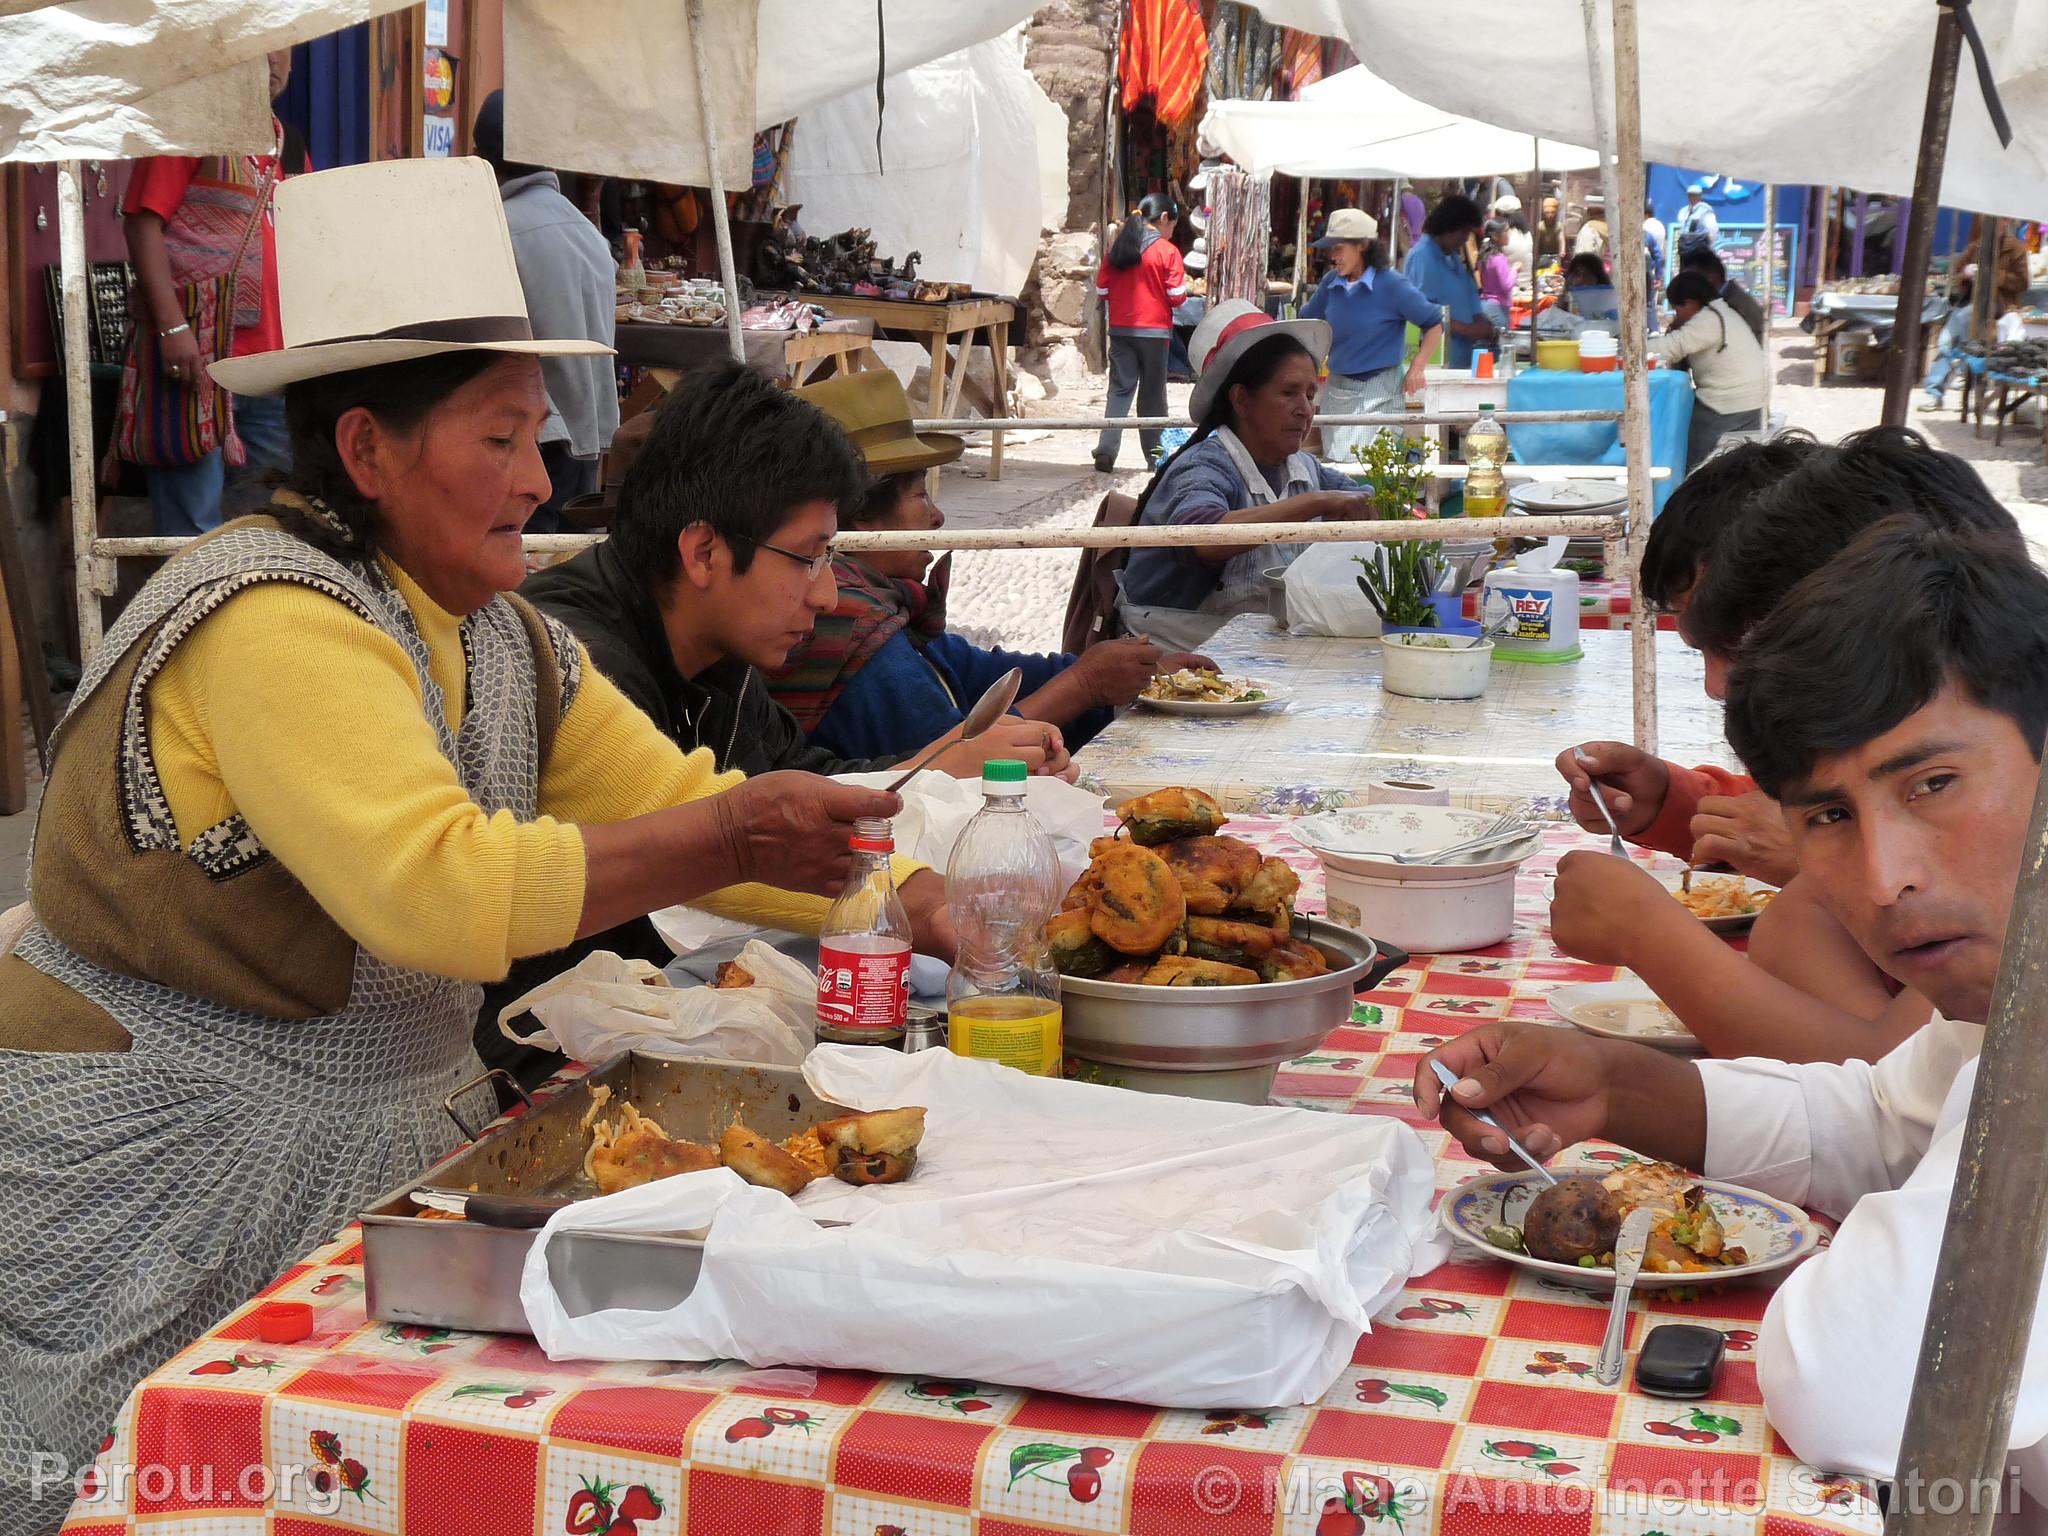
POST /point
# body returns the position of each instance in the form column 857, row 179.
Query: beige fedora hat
column 388, row 261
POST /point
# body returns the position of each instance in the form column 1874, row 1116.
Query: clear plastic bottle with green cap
column 1002, row 883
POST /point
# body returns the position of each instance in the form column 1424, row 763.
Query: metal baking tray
column 463, row 1274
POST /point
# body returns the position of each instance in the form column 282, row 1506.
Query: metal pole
column 1603, row 120
column 720, row 225
column 87, row 574
column 1301, row 243
column 1770, row 297
column 1161, row 423
column 1394, row 235
column 1904, row 372
column 1635, row 342
column 1534, row 214
column 1974, row 1347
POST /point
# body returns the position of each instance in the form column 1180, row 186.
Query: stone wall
column 1070, row 49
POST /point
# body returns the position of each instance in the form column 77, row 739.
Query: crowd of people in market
column 369, row 776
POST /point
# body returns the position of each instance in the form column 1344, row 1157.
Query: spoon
column 1614, row 843
column 988, row 709
column 1449, row 1079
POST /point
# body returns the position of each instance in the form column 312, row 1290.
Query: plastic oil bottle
column 1486, row 450
column 1003, row 998
column 864, row 948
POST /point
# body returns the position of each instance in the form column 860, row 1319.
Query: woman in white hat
column 1253, row 402
column 321, row 779
column 1369, row 307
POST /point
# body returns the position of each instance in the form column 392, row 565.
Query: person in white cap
column 321, row 779
column 1253, row 401
column 1697, row 226
column 1521, row 246
column 1369, row 307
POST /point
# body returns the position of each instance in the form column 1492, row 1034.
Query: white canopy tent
column 1825, row 92
column 1355, row 124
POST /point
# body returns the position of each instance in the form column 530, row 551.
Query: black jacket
column 727, row 709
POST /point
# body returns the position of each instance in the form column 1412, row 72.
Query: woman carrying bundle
column 1254, row 397
column 1141, row 280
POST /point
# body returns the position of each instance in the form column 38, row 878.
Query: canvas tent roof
column 1825, row 91
column 1355, row 124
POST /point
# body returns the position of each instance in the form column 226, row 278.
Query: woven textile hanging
column 1240, row 227
column 1161, row 57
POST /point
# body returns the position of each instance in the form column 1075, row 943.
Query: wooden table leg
column 2000, row 412
column 999, row 353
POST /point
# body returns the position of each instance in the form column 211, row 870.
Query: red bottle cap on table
column 284, row 1322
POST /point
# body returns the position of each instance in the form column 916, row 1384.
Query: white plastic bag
column 935, row 807
column 1059, row 1236
column 1323, row 597
column 605, row 1005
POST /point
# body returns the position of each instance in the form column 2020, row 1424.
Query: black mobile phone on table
column 1680, row 1360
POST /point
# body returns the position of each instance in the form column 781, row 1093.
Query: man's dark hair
column 487, row 138
column 1705, row 504
column 1793, row 527
column 1702, row 259
column 1589, row 265
column 1872, row 636
column 732, row 449
column 1692, row 288
column 1456, row 214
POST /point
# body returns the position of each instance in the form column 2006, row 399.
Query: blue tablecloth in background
column 1599, row 442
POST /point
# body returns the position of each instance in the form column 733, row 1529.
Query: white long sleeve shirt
column 1726, row 359
column 1875, row 1144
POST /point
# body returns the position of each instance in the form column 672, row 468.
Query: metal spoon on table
column 988, row 709
column 1615, row 845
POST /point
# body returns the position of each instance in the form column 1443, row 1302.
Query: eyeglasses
column 814, row 565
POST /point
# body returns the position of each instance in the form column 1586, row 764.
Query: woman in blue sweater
column 881, row 674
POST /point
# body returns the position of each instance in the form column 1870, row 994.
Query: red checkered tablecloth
column 1469, row 1408
column 1604, row 603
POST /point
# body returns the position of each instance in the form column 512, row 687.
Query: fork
column 1615, row 845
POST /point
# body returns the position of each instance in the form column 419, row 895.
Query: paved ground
column 1018, row 598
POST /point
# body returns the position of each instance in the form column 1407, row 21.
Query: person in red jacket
column 1753, row 522
column 1142, row 279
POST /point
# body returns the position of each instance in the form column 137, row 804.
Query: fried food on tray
column 1167, row 814
column 731, row 976
column 1292, row 960
column 1186, row 971
column 1132, row 971
column 760, row 1162
column 1075, row 949
column 636, row 1151
column 879, row 1147
column 1241, row 944
column 1137, row 905
column 1212, row 871
column 1271, row 893
column 808, row 1150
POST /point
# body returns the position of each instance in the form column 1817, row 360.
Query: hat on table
column 393, row 260
column 1232, row 329
column 1348, row 224
column 875, row 413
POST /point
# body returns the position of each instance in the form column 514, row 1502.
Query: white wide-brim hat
column 1232, row 329
column 388, row 261
column 1508, row 204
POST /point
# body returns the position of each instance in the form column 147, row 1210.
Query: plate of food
column 1205, row 694
column 1622, row 1010
column 1726, row 903
column 1705, row 1232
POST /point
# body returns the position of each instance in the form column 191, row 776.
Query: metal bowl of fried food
column 1211, row 1029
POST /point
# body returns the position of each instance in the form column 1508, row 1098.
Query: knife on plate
column 1628, row 1263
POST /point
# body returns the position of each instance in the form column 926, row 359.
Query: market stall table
column 2007, row 392
column 1599, row 442
column 940, row 326
column 781, row 353
column 1472, row 1397
column 1339, row 732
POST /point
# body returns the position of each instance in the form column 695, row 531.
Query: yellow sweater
column 287, row 707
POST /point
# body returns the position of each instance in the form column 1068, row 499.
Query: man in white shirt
column 1895, row 704
column 1697, row 226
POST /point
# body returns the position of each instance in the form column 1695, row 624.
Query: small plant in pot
column 1400, row 576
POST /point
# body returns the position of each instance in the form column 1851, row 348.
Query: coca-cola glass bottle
column 864, row 948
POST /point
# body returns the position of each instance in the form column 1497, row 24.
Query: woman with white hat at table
column 322, row 778
column 1253, row 402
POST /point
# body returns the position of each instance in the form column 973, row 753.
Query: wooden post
column 1770, row 293
column 78, row 404
column 1627, row 178
column 1301, row 243
column 1904, row 372
column 721, row 224
column 1974, row 1347
column 1983, row 296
